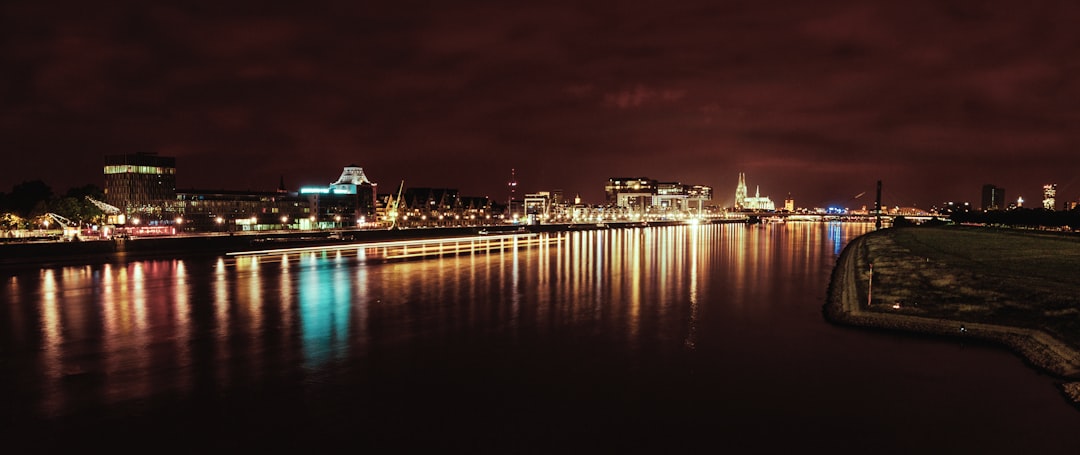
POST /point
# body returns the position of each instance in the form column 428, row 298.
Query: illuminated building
column 1050, row 196
column 422, row 206
column 345, row 201
column 993, row 198
column 643, row 193
column 755, row 202
column 789, row 204
column 226, row 210
column 633, row 192
column 740, row 192
column 538, row 206
column 142, row 184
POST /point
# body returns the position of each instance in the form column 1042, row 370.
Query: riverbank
column 21, row 255
column 947, row 282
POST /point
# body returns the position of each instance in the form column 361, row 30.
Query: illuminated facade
column 642, row 193
column 755, row 202
column 224, row 210
column 993, row 198
column 1050, row 196
column 351, row 198
column 141, row 184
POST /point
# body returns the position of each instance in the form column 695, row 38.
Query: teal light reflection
column 325, row 292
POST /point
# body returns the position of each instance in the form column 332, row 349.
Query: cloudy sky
column 819, row 99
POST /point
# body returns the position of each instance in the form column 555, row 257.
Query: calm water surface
column 638, row 340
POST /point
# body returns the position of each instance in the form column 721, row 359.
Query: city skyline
column 816, row 101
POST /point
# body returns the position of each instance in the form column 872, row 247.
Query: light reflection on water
column 91, row 337
column 125, row 324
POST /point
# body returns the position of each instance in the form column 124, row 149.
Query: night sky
column 819, row 99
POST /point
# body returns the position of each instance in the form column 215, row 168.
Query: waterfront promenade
column 46, row 253
column 857, row 297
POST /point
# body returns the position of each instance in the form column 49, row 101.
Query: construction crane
column 108, row 209
column 394, row 204
column 70, row 228
column 59, row 219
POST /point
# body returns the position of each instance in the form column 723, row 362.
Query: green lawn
column 1009, row 277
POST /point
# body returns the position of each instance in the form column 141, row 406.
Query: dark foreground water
column 650, row 340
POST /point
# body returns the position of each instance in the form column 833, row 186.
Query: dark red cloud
column 816, row 99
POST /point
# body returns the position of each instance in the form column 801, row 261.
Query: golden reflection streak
column 515, row 294
column 691, row 333
column 254, row 308
column 53, row 341
column 221, row 317
column 182, row 321
column 615, row 280
column 116, row 321
column 362, row 310
column 634, row 322
column 137, row 345
column 286, row 292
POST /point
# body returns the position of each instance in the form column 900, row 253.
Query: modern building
column 226, row 210
column 632, row 192
column 993, row 198
column 643, row 194
column 538, row 206
column 1050, row 196
column 141, row 185
column 755, row 202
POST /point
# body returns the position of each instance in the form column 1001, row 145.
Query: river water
column 639, row 340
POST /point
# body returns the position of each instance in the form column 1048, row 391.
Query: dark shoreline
column 844, row 307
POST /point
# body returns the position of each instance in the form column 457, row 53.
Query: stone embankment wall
column 847, row 305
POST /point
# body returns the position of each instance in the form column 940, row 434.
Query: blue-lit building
column 349, row 200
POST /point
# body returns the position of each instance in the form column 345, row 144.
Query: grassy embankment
column 1018, row 288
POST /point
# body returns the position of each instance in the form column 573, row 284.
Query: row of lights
column 284, row 220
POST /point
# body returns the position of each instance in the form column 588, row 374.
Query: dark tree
column 27, row 196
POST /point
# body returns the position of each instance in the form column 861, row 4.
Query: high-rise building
column 140, row 183
column 993, row 198
column 1050, row 196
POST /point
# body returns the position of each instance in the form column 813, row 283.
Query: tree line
column 1020, row 217
column 26, row 206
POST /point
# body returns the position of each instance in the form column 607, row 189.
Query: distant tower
column 877, row 207
column 993, row 198
column 740, row 192
column 789, row 203
column 512, row 186
column 1050, row 196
